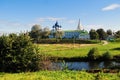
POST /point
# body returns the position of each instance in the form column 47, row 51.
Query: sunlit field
column 59, row 75
column 77, row 50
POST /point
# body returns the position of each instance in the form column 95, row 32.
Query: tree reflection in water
column 94, row 65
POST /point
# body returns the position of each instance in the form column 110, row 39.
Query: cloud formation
column 10, row 23
column 71, row 21
column 94, row 26
column 50, row 19
column 15, row 26
column 111, row 7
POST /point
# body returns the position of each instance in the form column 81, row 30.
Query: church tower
column 57, row 27
column 79, row 27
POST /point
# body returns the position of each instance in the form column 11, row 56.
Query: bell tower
column 79, row 27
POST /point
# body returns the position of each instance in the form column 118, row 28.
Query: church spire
column 79, row 27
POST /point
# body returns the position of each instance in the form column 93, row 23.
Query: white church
column 79, row 33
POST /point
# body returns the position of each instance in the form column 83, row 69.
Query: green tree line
column 101, row 34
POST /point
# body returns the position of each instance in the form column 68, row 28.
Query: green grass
column 77, row 50
column 68, row 50
column 59, row 75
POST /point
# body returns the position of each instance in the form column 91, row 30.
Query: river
column 83, row 65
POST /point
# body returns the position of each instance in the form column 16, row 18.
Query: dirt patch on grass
column 68, row 45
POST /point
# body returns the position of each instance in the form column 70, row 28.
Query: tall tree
column 109, row 32
column 59, row 34
column 93, row 34
column 46, row 32
column 102, row 34
column 35, row 32
column 117, row 34
column 36, row 27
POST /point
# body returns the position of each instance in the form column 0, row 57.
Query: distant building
column 55, row 28
column 79, row 33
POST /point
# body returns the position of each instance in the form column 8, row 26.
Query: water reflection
column 108, row 64
column 83, row 65
column 95, row 65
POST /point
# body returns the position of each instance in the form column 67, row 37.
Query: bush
column 62, row 41
column 18, row 53
column 93, row 54
column 107, row 55
column 117, row 40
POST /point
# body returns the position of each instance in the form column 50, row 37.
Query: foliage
column 46, row 32
column 36, row 28
column 93, row 54
column 59, row 75
column 18, row 53
column 117, row 40
column 35, row 35
column 107, row 55
column 58, row 34
column 102, row 34
column 117, row 34
column 93, row 34
column 35, row 32
column 109, row 32
column 67, row 41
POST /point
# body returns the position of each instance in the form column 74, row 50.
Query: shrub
column 117, row 40
column 107, row 55
column 93, row 54
column 61, row 41
column 18, row 53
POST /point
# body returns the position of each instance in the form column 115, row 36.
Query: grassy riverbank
column 78, row 50
column 68, row 51
column 59, row 75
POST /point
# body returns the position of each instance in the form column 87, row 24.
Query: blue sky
column 21, row 15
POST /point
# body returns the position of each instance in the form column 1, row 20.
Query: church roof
column 80, row 31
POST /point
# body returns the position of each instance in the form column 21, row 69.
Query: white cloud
column 93, row 26
column 111, row 7
column 55, row 19
column 71, row 21
column 50, row 19
column 41, row 19
column 10, row 23
column 8, row 26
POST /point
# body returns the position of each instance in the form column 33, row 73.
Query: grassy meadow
column 77, row 50
column 68, row 51
column 59, row 75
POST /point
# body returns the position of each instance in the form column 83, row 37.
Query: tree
column 36, row 28
column 107, row 55
column 102, row 34
column 18, row 53
column 93, row 34
column 117, row 34
column 93, row 54
column 46, row 32
column 36, row 32
column 109, row 32
column 58, row 34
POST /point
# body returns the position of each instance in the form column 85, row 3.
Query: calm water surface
column 83, row 65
